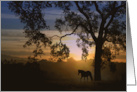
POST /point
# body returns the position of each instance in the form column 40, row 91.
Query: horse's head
column 79, row 71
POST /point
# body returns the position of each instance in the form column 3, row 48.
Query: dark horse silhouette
column 85, row 74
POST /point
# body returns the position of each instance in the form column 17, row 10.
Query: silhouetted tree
column 104, row 22
column 30, row 13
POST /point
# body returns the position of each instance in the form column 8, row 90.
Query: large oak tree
column 103, row 21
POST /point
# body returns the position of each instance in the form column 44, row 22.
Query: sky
column 13, row 38
column 9, row 19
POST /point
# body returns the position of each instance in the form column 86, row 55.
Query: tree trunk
column 97, row 68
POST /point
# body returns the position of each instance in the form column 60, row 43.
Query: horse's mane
column 81, row 71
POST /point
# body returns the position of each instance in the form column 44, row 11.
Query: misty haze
column 63, row 46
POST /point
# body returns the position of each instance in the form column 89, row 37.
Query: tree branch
column 103, row 19
column 97, row 8
column 106, row 28
column 81, row 10
column 90, row 31
column 60, row 37
column 121, row 6
column 54, row 36
column 106, row 32
column 112, row 13
column 69, row 34
column 112, row 17
column 88, row 20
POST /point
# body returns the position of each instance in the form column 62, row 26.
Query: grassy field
column 47, row 76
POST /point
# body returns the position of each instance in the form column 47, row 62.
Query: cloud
column 52, row 11
column 52, row 14
column 9, row 16
column 12, row 33
column 49, row 14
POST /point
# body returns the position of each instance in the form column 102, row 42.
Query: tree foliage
column 102, row 25
column 94, row 22
column 30, row 13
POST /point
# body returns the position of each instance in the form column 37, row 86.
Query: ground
column 47, row 76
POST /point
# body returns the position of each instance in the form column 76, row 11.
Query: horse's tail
column 90, row 76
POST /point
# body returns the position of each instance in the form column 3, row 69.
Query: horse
column 85, row 74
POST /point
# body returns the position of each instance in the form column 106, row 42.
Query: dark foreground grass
column 29, row 77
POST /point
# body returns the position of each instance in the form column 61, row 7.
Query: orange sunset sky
column 13, row 41
column 12, row 36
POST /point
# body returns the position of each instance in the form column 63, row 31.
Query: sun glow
column 13, row 46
